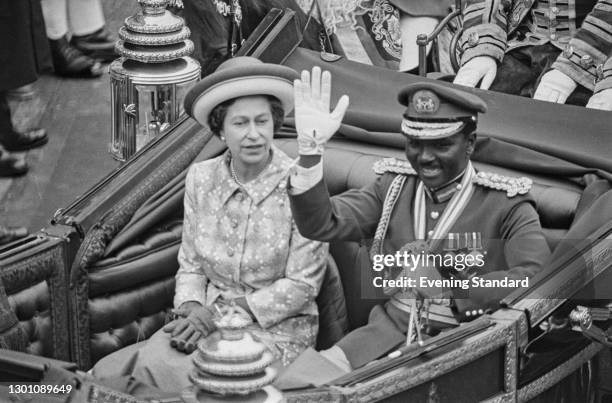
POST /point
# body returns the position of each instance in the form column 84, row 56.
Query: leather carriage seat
column 131, row 289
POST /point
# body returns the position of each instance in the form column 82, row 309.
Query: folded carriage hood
column 576, row 134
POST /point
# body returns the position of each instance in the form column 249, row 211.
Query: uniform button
column 234, row 223
column 467, row 313
column 239, row 196
column 430, row 233
column 586, row 61
column 230, row 252
column 434, row 215
column 480, row 311
column 555, row 10
column 474, row 312
column 553, row 36
column 459, row 186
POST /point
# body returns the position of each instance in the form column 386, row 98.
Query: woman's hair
column 219, row 112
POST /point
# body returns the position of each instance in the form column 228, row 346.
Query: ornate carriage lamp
column 149, row 81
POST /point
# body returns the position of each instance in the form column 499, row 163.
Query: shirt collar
column 444, row 193
column 274, row 175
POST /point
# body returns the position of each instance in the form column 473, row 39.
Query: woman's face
column 248, row 129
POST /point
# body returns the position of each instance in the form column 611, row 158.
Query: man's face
column 439, row 161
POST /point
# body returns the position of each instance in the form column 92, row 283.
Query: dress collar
column 274, row 175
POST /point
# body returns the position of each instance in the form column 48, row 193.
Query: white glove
column 602, row 100
column 555, row 87
column 479, row 68
column 313, row 121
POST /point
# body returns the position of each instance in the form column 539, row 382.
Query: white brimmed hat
column 238, row 77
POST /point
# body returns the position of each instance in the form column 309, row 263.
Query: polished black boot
column 68, row 61
column 98, row 45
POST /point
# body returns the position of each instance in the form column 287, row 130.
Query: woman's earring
column 222, row 138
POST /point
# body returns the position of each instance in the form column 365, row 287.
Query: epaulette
column 393, row 165
column 511, row 185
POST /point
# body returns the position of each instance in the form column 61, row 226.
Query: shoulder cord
column 390, row 200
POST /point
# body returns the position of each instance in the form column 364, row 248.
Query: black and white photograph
column 294, row 201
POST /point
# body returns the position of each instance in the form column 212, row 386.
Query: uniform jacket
column 491, row 28
column 244, row 242
column 510, row 229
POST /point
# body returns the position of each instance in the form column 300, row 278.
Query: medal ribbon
column 450, row 213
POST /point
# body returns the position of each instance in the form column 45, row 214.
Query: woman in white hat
column 240, row 246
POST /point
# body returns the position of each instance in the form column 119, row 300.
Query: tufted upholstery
column 33, row 302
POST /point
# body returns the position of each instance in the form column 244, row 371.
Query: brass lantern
column 150, row 79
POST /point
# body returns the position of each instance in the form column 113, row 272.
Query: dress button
column 553, row 36
column 239, row 196
column 230, row 252
column 429, row 233
column 234, row 223
column 555, row 10
column 459, row 186
column 434, row 215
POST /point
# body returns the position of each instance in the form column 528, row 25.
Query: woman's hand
column 313, row 120
column 195, row 321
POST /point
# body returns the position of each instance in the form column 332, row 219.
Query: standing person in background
column 91, row 42
column 550, row 51
column 24, row 52
column 209, row 22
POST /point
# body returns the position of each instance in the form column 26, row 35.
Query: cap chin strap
column 415, row 128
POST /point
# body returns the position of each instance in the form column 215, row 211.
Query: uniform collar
column 273, row 176
column 444, row 193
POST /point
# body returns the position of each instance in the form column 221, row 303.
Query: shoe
column 11, row 165
column 15, row 141
column 98, row 45
column 10, row 234
column 68, row 61
column 23, row 93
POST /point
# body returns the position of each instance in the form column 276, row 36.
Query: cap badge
column 425, row 102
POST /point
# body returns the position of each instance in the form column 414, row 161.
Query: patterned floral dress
column 243, row 242
column 237, row 241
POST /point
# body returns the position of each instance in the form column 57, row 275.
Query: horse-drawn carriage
column 101, row 275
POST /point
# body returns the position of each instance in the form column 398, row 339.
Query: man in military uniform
column 437, row 204
column 553, row 51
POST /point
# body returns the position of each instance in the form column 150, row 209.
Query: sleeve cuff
column 483, row 40
column 304, row 179
column 190, row 287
